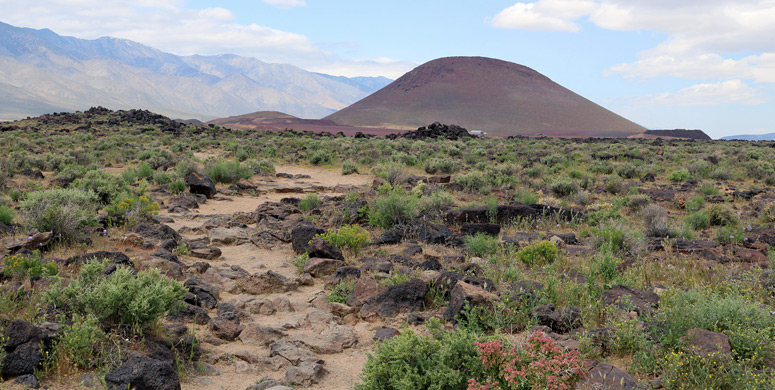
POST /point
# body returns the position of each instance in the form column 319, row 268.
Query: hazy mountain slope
column 751, row 137
column 59, row 73
column 499, row 97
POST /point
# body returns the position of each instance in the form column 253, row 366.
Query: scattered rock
column 464, row 292
column 293, row 351
column 319, row 247
column 207, row 253
column 267, row 282
column 384, row 333
column 405, row 297
column 492, row 229
column 28, row 381
column 561, row 321
column 301, row 235
column 707, row 343
column 305, row 374
column 606, row 376
column 226, row 326
column 200, row 184
column 142, row 373
column 257, row 334
column 642, row 301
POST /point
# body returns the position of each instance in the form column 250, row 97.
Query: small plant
column 309, row 202
column 697, row 220
column 340, row 292
column 349, row 167
column 619, row 237
column 441, row 165
column 539, row 364
column 6, row 214
column 538, row 253
column 655, row 218
column 525, row 197
column 563, row 187
column 321, row 157
column 134, row 208
column 144, row 170
column 76, row 345
column 395, row 208
column 730, row 235
column 64, row 211
column 474, row 182
column 228, row 171
column 177, row 186
column 679, row 175
column 352, row 237
column 182, row 249
column 21, row 267
column 300, row 261
column 721, row 216
column 481, row 244
column 435, row 204
column 120, row 299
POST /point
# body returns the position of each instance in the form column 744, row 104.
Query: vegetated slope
column 499, row 97
column 44, row 72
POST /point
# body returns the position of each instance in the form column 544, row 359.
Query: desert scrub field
column 136, row 244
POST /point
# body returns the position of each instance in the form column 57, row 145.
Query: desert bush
column 602, row 167
column 656, row 220
column 441, row 165
column 563, row 187
column 481, row 244
column 394, row 174
column 310, row 202
column 707, row 190
column 161, row 178
column 395, row 208
column 679, row 175
column 341, row 292
column 144, row 170
column 123, row 298
column 637, row 202
column 474, row 182
column 22, row 267
column 587, row 181
column 628, row 171
column 177, row 186
column 349, row 167
column 435, row 204
column 525, row 197
column 539, row 253
column 721, row 216
column 729, row 234
column 614, row 185
column 697, row 220
column 410, row 361
column 134, row 209
column 6, row 214
column 77, row 346
column 261, row 167
column 619, row 237
column 539, row 364
column 352, row 237
column 108, row 187
column 64, row 211
column 321, row 157
column 156, row 157
column 228, row 171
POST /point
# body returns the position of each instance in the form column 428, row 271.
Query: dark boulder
column 226, row 326
column 405, row 297
column 319, row 247
column 25, row 345
column 492, row 229
column 318, row 267
column 156, row 231
column 205, row 295
column 186, row 312
column 301, row 235
column 393, row 236
column 561, row 321
column 641, row 301
column 141, row 373
column 432, row 233
column 200, row 184
column 464, row 292
column 119, row 258
column 606, row 376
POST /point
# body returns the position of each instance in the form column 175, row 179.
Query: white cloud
column 286, row 3
column 547, row 15
column 171, row 26
column 703, row 35
column 708, row 94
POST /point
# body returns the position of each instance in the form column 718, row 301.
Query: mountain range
column 751, row 137
column 42, row 72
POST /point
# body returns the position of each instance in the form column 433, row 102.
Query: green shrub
column 474, row 182
column 144, row 170
column 349, row 167
column 310, row 202
column 64, row 211
column 679, row 175
column 77, row 346
column 393, row 209
column 628, row 171
column 618, row 237
column 134, row 209
column 340, row 292
column 262, row 167
column 525, row 197
column 321, row 157
column 729, row 234
column 409, row 361
column 177, row 186
column 6, row 215
column 441, row 165
column 539, row 253
column 108, row 187
column 707, row 190
column 352, row 237
column 655, row 218
column 721, row 216
column 614, row 185
column 637, row 202
column 120, row 299
column 563, row 187
column 435, row 204
column 695, row 203
column 161, row 178
column 228, row 171
column 481, row 244
column 697, row 220
column 21, row 267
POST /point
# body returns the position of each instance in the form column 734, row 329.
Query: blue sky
column 706, row 64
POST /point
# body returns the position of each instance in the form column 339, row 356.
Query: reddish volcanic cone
column 478, row 93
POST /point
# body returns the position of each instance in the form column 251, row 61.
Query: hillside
column 41, row 72
column 499, row 97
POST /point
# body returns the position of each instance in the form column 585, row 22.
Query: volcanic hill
column 478, row 93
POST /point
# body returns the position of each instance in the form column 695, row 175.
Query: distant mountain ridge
column 479, row 93
column 41, row 71
column 751, row 137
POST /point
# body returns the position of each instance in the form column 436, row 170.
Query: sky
column 665, row 64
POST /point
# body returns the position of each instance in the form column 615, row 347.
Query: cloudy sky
column 697, row 64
